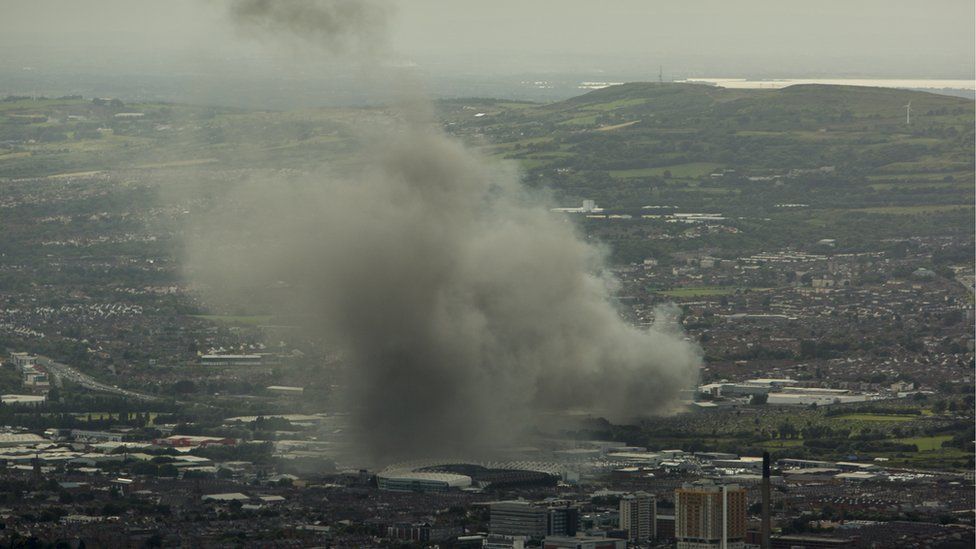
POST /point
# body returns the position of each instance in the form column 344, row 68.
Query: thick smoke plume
column 340, row 26
column 463, row 306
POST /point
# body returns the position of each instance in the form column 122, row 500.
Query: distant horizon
column 264, row 92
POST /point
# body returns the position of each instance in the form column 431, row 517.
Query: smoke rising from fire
column 463, row 306
column 350, row 27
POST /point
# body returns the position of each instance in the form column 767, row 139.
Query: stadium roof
column 452, row 480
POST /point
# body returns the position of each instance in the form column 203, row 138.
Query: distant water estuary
column 962, row 87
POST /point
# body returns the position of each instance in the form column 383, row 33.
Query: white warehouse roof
column 17, row 439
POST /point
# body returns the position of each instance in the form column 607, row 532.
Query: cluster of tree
column 255, row 452
column 161, row 466
column 963, row 440
column 870, row 408
column 845, row 446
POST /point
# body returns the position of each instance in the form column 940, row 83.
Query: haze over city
column 367, row 273
column 188, row 51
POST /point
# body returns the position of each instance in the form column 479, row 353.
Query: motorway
column 62, row 372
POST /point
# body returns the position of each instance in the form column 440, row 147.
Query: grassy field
column 779, row 444
column 179, row 163
column 614, row 105
column 919, row 185
column 926, row 444
column 588, row 120
column 919, row 176
column 925, row 165
column 913, row 210
column 690, row 170
column 531, row 163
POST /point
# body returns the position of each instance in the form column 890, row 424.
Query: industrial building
column 709, row 516
column 20, row 439
column 85, row 435
column 782, row 392
column 25, row 400
column 231, row 360
column 810, row 397
column 285, row 390
column 187, row 441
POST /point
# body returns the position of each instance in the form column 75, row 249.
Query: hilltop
column 641, row 126
column 844, row 156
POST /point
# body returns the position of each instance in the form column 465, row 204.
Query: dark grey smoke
column 462, row 303
column 340, row 26
column 463, row 306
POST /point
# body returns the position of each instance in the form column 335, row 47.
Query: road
column 969, row 281
column 62, row 371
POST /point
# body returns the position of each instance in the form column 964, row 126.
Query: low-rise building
column 583, row 542
column 187, row 441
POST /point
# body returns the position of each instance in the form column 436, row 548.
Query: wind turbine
column 908, row 113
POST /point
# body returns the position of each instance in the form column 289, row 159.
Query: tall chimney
column 766, row 526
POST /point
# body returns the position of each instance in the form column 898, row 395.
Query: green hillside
column 793, row 165
column 762, row 132
column 785, row 167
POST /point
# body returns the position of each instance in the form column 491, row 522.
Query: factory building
column 20, row 439
column 708, row 516
column 25, row 400
column 189, row 441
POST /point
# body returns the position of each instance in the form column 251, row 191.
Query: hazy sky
column 914, row 34
column 942, row 27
